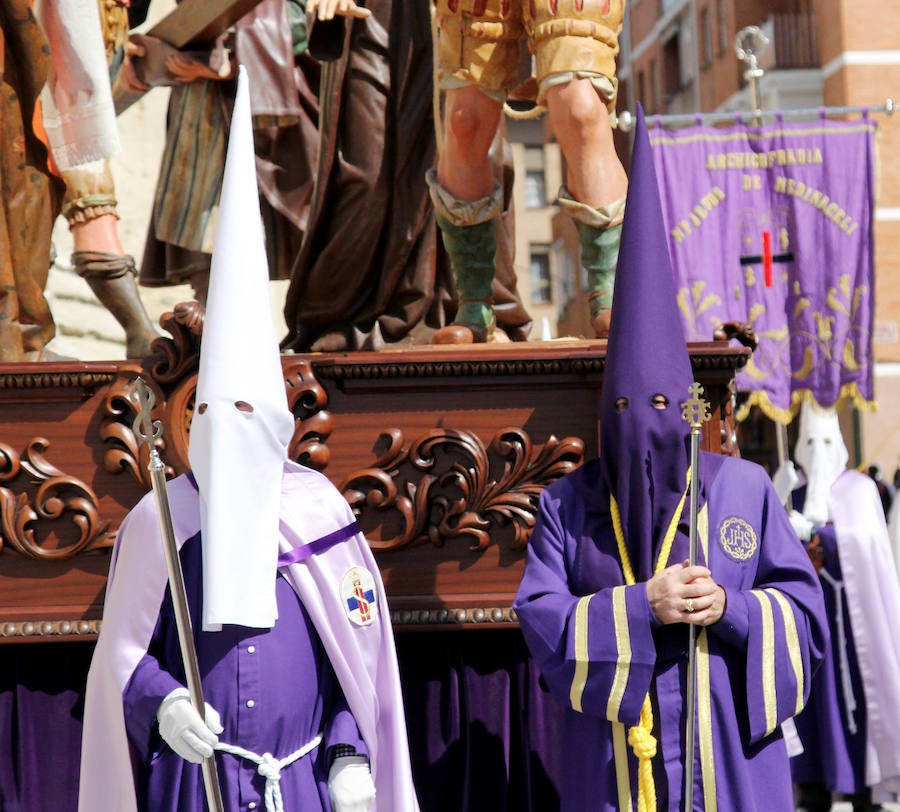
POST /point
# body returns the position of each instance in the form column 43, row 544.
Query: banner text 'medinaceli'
column 818, row 199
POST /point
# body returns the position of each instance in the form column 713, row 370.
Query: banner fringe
column 849, row 394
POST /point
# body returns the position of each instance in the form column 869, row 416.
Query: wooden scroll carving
column 446, row 485
column 35, row 495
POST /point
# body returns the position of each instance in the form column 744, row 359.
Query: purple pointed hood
column 644, row 449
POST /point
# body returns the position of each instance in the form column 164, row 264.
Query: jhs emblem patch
column 358, row 593
column 738, row 539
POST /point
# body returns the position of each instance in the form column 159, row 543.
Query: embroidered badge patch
column 738, row 539
column 358, row 593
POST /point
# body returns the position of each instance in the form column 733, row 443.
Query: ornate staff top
column 695, row 409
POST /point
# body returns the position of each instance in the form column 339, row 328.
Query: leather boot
column 599, row 253
column 471, row 249
column 112, row 279
column 599, row 231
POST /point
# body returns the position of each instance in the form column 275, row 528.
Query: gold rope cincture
column 641, row 737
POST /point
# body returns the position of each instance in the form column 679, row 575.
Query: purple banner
column 772, row 226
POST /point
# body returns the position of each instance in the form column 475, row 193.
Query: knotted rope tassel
column 270, row 768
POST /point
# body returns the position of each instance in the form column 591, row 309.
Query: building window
column 541, row 288
column 535, row 182
column 706, row 44
column 671, row 52
column 722, row 14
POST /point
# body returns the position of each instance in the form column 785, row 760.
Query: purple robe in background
column 599, row 645
column 857, row 555
column 241, row 666
column 832, row 726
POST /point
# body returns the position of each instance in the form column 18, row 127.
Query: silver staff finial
column 142, row 396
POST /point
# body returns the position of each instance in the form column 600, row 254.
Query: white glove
column 803, row 527
column 184, row 731
column 350, row 784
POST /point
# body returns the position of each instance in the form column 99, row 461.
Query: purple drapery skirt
column 483, row 731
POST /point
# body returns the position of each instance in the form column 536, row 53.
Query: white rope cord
column 270, row 768
column 846, row 683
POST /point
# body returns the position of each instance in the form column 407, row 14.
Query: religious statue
column 30, row 194
column 372, row 271
column 270, row 41
column 478, row 63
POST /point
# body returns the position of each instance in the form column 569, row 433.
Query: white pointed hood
column 821, row 452
column 241, row 426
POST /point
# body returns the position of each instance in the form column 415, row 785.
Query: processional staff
column 149, row 430
column 696, row 412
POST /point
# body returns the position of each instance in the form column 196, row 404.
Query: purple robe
column 601, row 649
column 243, row 679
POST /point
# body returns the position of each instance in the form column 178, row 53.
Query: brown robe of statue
column 30, row 196
column 372, row 271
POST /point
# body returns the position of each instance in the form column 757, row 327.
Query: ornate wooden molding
column 87, row 629
column 468, row 616
column 58, row 498
column 400, row 618
column 38, row 378
column 454, row 488
column 501, row 362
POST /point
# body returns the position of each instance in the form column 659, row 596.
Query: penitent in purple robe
column 832, row 727
column 325, row 560
column 602, row 651
column 243, row 679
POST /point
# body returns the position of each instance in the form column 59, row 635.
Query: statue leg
column 476, row 61
column 575, row 46
column 599, row 232
column 90, row 208
column 112, row 279
column 467, row 228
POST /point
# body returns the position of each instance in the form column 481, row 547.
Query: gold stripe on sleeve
column 623, row 648
column 793, row 643
column 620, row 750
column 581, row 652
column 768, row 660
column 704, row 720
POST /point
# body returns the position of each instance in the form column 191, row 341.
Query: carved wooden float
column 442, row 452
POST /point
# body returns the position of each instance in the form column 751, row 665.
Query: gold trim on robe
column 792, row 639
column 579, row 680
column 623, row 647
column 768, row 660
column 704, row 723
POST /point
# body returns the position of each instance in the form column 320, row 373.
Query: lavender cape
column 363, row 657
column 873, row 601
column 601, row 649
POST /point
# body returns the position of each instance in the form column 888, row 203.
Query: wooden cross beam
column 197, row 23
column 193, row 24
